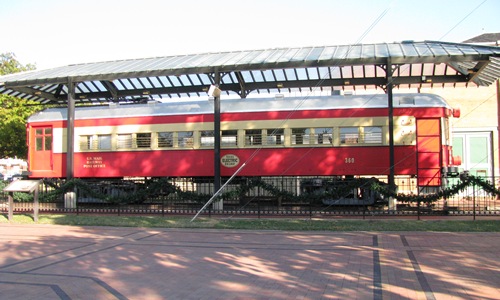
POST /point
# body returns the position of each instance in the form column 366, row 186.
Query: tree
column 10, row 65
column 14, row 112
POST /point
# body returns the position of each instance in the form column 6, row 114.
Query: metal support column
column 494, row 173
column 391, row 179
column 70, row 153
column 217, row 180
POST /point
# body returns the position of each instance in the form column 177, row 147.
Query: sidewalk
column 64, row 262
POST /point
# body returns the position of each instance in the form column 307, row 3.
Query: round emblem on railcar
column 230, row 160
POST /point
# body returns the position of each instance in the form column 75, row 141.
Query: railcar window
column 144, row 140
column 229, row 138
column 372, row 135
column 185, row 139
column 253, row 137
column 39, row 144
column 207, row 138
column 165, row 139
column 48, row 143
column 323, row 135
column 124, row 141
column 43, row 139
column 300, row 136
column 86, row 142
column 349, row 135
column 104, row 142
column 275, row 136
column 48, row 138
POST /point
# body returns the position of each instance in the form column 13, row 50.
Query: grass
column 445, row 225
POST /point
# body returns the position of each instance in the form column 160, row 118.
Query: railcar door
column 41, row 147
column 429, row 152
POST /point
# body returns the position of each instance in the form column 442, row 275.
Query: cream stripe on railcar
column 59, row 140
column 404, row 129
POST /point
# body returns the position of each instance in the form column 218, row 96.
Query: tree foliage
column 9, row 64
column 14, row 112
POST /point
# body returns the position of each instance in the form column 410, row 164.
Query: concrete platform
column 64, row 262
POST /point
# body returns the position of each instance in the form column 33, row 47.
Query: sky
column 54, row 33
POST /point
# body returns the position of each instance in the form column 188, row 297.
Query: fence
column 273, row 196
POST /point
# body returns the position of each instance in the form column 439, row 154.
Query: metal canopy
column 414, row 64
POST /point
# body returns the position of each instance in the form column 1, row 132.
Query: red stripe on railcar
column 268, row 162
column 257, row 116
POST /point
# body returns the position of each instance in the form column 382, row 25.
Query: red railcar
column 317, row 136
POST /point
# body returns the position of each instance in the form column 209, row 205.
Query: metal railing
column 274, row 196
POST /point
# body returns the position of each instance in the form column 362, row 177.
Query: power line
column 463, row 19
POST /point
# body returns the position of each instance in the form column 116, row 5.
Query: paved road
column 63, row 262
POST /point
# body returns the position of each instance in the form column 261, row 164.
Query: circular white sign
column 230, row 160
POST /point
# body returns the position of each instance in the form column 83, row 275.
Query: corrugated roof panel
column 212, row 59
column 82, row 88
column 155, row 81
column 354, row 52
column 403, row 50
column 169, row 63
column 315, row 54
column 280, row 75
column 358, row 72
column 119, row 84
column 301, row 74
column 335, row 72
column 273, row 58
column 257, row 76
column 227, row 79
column 422, row 50
column 175, row 81
column 162, row 63
column 346, row 72
column 341, row 53
column 145, row 65
column 261, row 57
column 367, row 51
column 381, row 50
column 247, row 76
column 312, row 73
column 324, row 72
column 205, row 79
column 301, row 55
column 451, row 50
column 247, row 59
column 144, row 82
column 127, row 85
column 288, row 55
column 99, row 86
column 328, row 53
column 428, row 69
column 236, row 58
column 194, row 79
column 471, row 50
column 184, row 80
column 439, row 50
column 268, row 75
column 290, row 74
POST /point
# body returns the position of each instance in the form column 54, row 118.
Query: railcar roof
column 240, row 106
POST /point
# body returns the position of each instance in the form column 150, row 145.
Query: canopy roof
column 413, row 64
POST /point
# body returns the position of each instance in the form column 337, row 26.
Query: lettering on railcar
column 94, row 162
